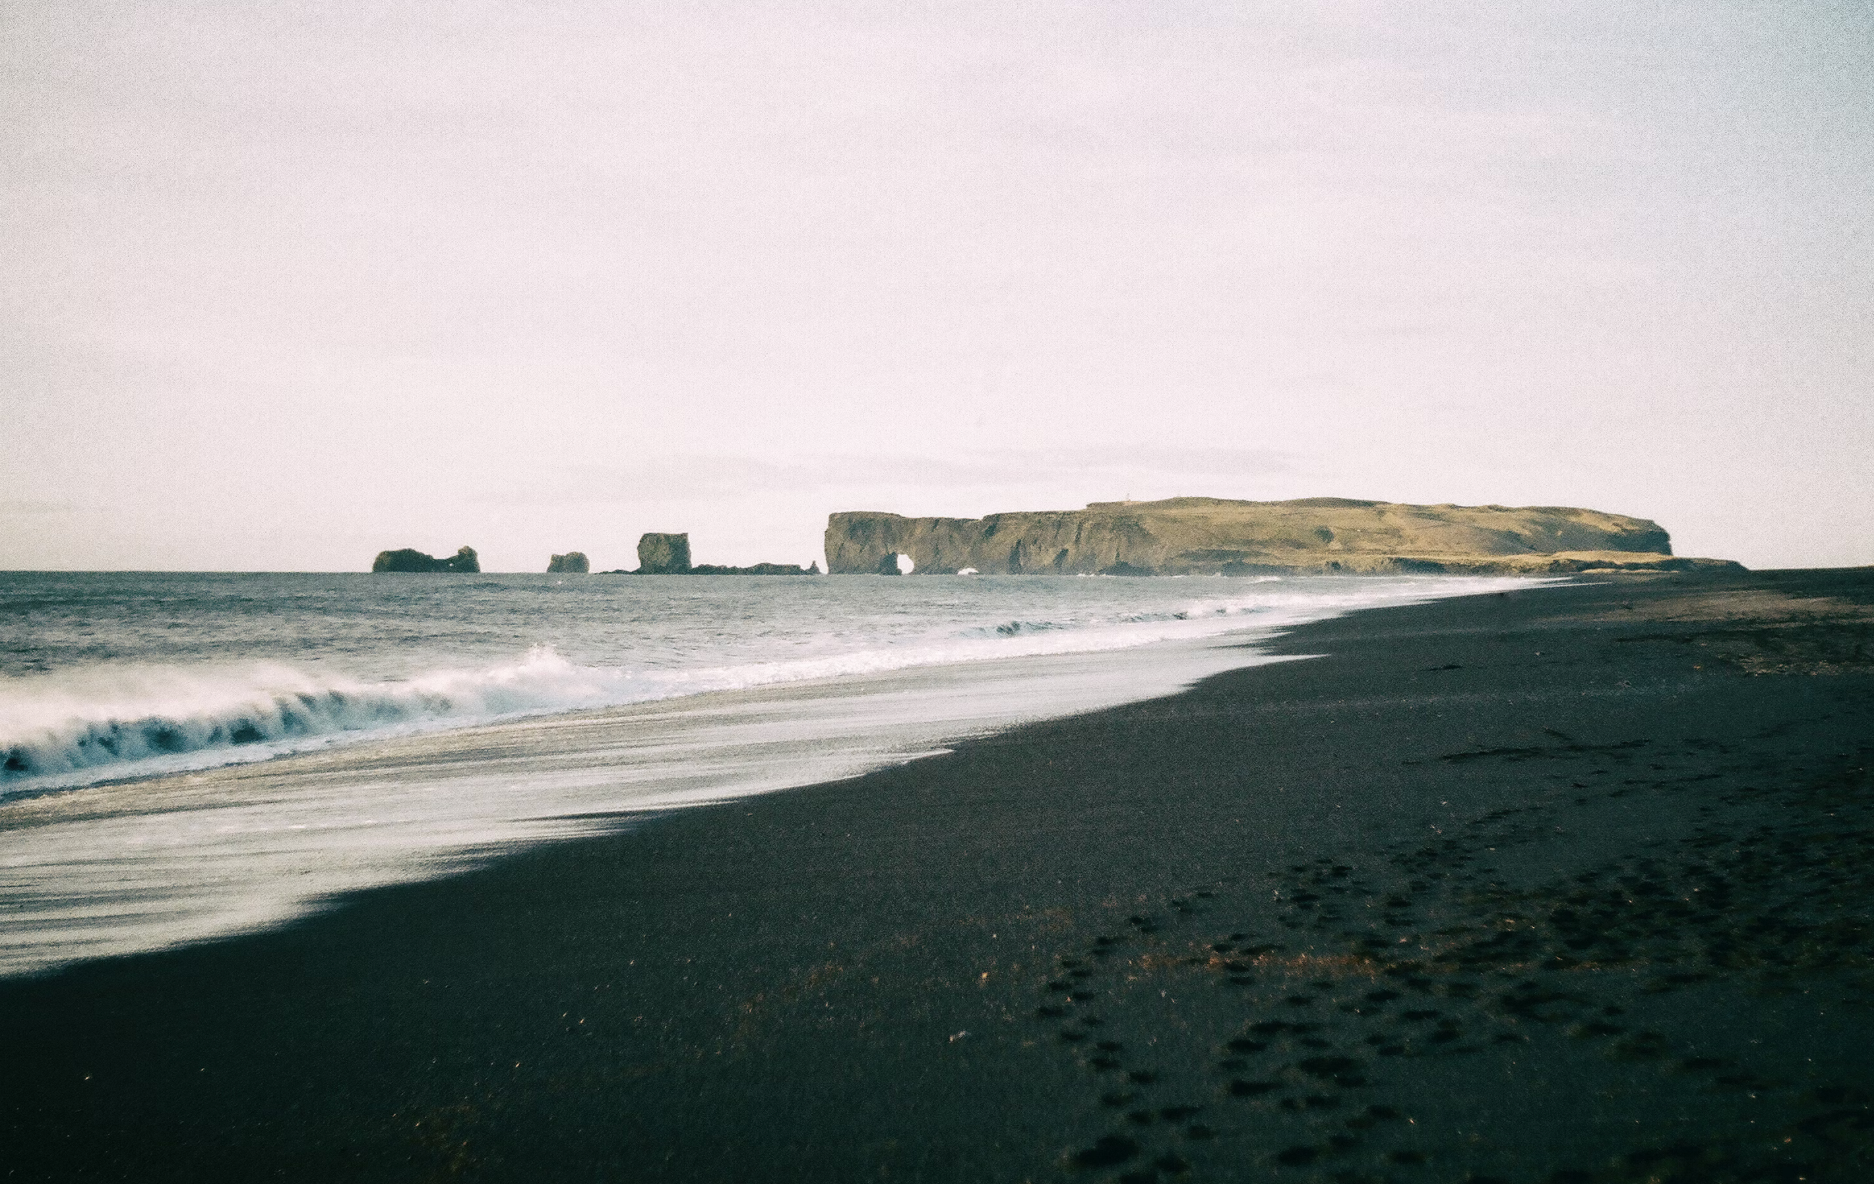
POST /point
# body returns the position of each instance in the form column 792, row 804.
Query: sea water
column 185, row 756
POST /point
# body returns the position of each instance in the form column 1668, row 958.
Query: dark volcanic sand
column 1572, row 884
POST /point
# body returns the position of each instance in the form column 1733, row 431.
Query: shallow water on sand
column 420, row 725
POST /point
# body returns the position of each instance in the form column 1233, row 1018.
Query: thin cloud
column 28, row 506
column 709, row 478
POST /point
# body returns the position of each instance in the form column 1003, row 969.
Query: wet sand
column 1569, row 884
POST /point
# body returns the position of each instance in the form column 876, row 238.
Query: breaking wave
column 79, row 726
column 82, row 720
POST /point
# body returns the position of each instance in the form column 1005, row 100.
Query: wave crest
column 79, row 720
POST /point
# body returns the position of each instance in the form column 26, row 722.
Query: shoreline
column 218, row 850
column 351, row 692
column 916, row 971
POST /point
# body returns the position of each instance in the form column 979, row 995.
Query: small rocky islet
column 409, row 559
column 659, row 554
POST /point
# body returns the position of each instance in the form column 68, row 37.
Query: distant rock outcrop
column 755, row 569
column 1214, row 536
column 573, row 562
column 663, row 554
column 410, row 559
column 669, row 555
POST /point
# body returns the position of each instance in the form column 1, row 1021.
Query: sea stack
column 410, row 559
column 573, row 562
column 663, row 554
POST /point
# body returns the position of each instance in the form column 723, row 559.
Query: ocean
column 187, row 756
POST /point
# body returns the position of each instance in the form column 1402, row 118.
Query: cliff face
column 410, row 559
column 1198, row 535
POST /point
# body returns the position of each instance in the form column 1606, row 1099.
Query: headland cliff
column 1215, row 536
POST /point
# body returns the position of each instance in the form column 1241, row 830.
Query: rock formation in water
column 669, row 555
column 755, row 569
column 1214, row 536
column 410, row 559
column 663, row 554
column 573, row 562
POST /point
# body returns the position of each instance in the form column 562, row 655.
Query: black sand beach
column 1569, row 884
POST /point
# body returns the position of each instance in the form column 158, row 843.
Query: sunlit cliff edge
column 1214, row 536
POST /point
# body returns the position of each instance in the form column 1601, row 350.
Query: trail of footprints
column 1130, row 1086
column 1367, row 985
column 1299, row 1061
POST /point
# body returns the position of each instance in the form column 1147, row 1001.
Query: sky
column 283, row 285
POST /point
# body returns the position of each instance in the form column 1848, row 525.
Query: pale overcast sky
column 282, row 285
